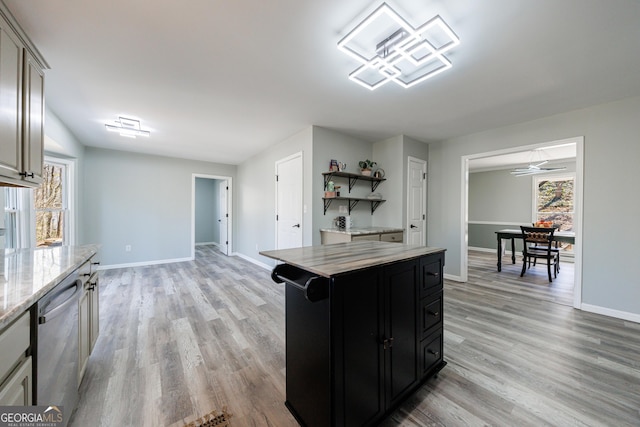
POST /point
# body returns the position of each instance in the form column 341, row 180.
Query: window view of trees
column 49, row 207
column 554, row 203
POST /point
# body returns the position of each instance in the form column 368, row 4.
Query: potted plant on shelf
column 366, row 166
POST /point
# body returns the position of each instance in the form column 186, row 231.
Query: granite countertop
column 330, row 260
column 28, row 274
column 361, row 231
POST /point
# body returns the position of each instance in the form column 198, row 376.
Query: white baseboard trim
column 624, row 315
column 473, row 248
column 454, row 278
column 253, row 261
column 208, row 244
column 143, row 263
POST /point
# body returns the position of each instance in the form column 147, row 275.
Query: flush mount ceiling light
column 390, row 49
column 127, row 127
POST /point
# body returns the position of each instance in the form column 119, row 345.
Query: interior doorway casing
column 578, row 194
column 229, row 210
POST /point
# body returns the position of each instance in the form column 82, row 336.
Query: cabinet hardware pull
column 413, row 226
column 95, row 263
column 387, row 343
column 431, row 273
column 296, row 225
column 435, row 353
column 87, row 274
column 27, row 174
column 434, row 313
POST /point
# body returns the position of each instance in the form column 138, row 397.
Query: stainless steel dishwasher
column 57, row 347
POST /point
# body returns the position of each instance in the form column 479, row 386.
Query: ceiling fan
column 534, row 169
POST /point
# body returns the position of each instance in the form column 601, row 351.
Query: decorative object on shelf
column 366, row 166
column 333, row 166
column 379, row 173
column 374, row 196
column 388, row 48
column 337, row 190
column 341, row 166
column 343, row 222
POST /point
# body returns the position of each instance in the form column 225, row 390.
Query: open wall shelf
column 353, row 178
column 353, row 201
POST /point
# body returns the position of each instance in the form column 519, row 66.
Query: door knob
column 413, row 226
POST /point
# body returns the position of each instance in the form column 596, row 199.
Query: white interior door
column 416, row 201
column 223, row 216
column 289, row 202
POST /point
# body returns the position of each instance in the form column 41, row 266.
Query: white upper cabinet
column 21, row 107
column 11, row 51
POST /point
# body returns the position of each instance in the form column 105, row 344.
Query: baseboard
column 143, row 263
column 473, row 248
column 253, row 261
column 624, row 315
column 454, row 278
column 208, row 244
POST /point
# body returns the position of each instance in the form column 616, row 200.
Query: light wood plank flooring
column 179, row 340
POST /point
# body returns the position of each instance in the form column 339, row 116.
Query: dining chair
column 555, row 248
column 538, row 244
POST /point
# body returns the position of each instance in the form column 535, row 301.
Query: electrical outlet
column 127, row 248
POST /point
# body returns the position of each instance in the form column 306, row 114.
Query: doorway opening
column 578, row 200
column 211, row 212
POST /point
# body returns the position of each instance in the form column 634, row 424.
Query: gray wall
column 611, row 153
column 207, row 228
column 329, row 144
column 141, row 200
column 255, row 196
column 60, row 142
column 393, row 154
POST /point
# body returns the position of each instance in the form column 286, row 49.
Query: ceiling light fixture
column 390, row 49
column 534, row 169
column 127, row 127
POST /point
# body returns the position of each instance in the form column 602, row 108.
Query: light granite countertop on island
column 330, row 260
column 362, row 231
column 28, row 274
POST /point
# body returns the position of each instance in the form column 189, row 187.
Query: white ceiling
column 222, row 80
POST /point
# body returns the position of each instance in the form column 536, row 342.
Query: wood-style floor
column 179, row 340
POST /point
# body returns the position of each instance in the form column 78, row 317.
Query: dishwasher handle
column 47, row 313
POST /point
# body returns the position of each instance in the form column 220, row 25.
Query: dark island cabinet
column 368, row 342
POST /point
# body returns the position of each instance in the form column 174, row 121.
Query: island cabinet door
column 401, row 283
column 376, row 342
column 359, row 355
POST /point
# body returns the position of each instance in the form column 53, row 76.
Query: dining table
column 512, row 234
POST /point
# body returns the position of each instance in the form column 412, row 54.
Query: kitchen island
column 363, row 328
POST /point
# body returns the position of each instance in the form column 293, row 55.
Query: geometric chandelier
column 388, row 49
column 127, row 127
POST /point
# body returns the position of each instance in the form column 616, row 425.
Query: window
column 554, row 201
column 41, row 217
column 51, row 207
